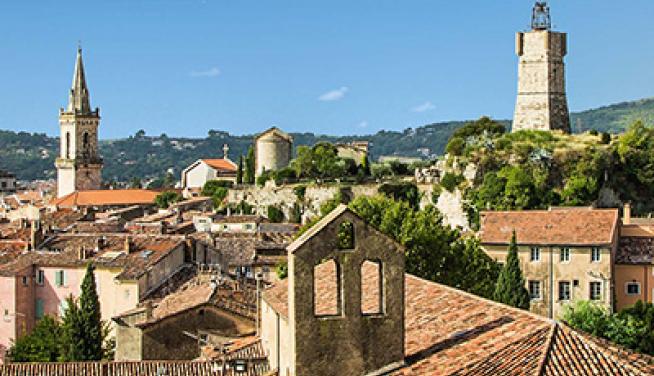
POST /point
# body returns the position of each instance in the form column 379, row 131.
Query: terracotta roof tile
column 106, row 197
column 224, row 165
column 635, row 250
column 450, row 332
column 63, row 251
column 546, row 227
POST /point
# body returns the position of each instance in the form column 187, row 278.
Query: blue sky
column 335, row 67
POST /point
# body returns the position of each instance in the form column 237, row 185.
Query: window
column 534, row 290
column 326, row 289
column 346, row 235
column 565, row 255
column 67, row 145
column 39, row 309
column 25, row 281
column 595, row 290
column 40, row 277
column 371, row 288
column 535, row 254
column 632, row 288
column 60, row 278
column 595, row 254
column 564, row 290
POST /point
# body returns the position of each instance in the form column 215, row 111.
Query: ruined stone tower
column 272, row 150
column 79, row 165
column 542, row 103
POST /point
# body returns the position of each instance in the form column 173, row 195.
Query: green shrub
column 593, row 132
column 606, row 138
column 300, row 192
column 263, row 178
column 284, row 176
column 212, row 185
column 450, row 181
column 404, row 191
column 282, row 270
column 455, row 146
column 167, row 198
column 380, row 171
column 275, row 214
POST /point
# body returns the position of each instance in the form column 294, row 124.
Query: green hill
column 31, row 156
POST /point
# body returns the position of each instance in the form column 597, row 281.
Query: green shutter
column 39, row 308
column 59, row 277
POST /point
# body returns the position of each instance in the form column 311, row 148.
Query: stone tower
column 542, row 103
column 79, row 165
column 272, row 150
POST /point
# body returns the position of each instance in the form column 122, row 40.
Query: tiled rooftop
column 450, row 332
column 581, row 227
column 63, row 251
column 224, row 165
column 635, row 250
column 106, row 197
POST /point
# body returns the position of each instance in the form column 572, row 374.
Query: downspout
column 551, row 271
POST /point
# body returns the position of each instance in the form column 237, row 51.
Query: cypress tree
column 89, row 307
column 510, row 287
column 365, row 165
column 249, row 166
column 239, row 171
column 72, row 332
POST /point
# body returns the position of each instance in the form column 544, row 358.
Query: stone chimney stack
column 129, row 245
column 626, row 214
column 36, row 235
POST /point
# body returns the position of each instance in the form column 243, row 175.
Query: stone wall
column 284, row 197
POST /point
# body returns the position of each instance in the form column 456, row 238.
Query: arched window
column 326, row 289
column 67, row 145
column 372, row 288
column 346, row 235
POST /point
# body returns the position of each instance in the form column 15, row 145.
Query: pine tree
column 91, row 316
column 510, row 287
column 239, row 171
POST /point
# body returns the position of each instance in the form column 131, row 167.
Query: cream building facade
column 566, row 255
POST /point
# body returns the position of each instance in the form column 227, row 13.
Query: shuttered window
column 39, row 308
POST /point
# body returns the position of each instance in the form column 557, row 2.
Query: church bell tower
column 79, row 165
column 542, row 102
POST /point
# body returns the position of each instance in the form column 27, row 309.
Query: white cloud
column 211, row 72
column 334, row 95
column 363, row 124
column 427, row 106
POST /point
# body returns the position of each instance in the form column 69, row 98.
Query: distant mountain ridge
column 31, row 155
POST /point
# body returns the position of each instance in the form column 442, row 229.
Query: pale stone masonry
column 79, row 165
column 542, row 102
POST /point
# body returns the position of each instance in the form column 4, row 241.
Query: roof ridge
column 548, row 349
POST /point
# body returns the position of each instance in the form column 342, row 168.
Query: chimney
column 129, row 245
column 99, row 243
column 626, row 214
column 36, row 235
column 149, row 307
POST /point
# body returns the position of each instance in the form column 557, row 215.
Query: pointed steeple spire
column 78, row 100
